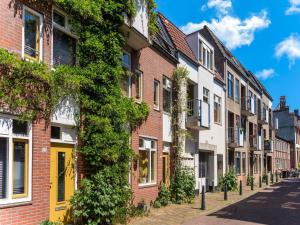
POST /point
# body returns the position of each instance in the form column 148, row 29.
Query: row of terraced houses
column 229, row 114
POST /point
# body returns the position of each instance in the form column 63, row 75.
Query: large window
column 15, row 174
column 138, row 86
column 244, row 163
column 217, row 109
column 147, row 161
column 125, row 81
column 203, row 167
column 205, row 95
column 237, row 163
column 237, row 91
column 167, row 95
column 230, row 86
column 156, row 93
column 32, row 34
column 64, row 42
column 206, row 56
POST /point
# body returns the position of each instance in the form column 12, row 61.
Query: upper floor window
column 205, row 95
column 217, row 109
column 156, row 93
column 167, row 95
column 126, row 60
column 237, row 90
column 32, row 34
column 206, row 56
column 138, row 85
column 230, row 85
column 64, row 42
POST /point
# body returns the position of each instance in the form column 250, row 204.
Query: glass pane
column 20, row 127
column 31, row 34
column 126, row 61
column 58, row 19
column 167, row 100
column 138, row 86
column 55, row 132
column 153, row 166
column 60, row 176
column 19, row 167
column 143, row 167
column 64, row 49
column 3, row 167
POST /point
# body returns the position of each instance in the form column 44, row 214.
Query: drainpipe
column 226, row 117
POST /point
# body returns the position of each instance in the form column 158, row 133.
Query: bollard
column 203, row 206
column 267, row 180
column 260, row 182
column 241, row 188
column 225, row 192
column 252, row 185
column 272, row 178
column 276, row 177
column 213, row 187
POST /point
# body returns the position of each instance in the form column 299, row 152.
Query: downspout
column 226, row 117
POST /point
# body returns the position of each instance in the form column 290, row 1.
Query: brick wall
column 153, row 65
column 37, row 210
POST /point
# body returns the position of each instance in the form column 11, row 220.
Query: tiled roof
column 178, row 38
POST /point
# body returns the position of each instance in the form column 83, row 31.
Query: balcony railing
column 136, row 28
column 263, row 116
column 269, row 145
column 198, row 114
column 236, row 136
column 248, row 106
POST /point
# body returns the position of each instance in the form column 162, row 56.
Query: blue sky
column 263, row 34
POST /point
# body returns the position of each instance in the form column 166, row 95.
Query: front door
column 166, row 168
column 61, row 182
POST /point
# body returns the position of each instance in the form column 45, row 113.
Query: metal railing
column 198, row 112
column 248, row 104
column 235, row 136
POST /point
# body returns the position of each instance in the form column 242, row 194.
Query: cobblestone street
column 275, row 205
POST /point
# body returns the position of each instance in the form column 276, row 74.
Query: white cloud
column 289, row 47
column 222, row 6
column 294, row 7
column 233, row 31
column 265, row 74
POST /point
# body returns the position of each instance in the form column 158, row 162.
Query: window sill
column 217, row 123
column 141, row 186
column 11, row 205
column 156, row 109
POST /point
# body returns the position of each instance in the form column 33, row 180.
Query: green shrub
column 250, row 179
column 156, row 204
column 265, row 178
column 163, row 196
column 182, row 186
column 47, row 222
column 230, row 179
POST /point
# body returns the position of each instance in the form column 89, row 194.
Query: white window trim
column 150, row 161
column 10, row 200
column 65, row 30
column 25, row 8
column 218, row 100
column 157, row 106
column 62, row 129
column 169, row 89
column 140, row 73
column 128, row 67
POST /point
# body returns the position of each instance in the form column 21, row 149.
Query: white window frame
column 10, row 136
column 66, row 30
column 156, row 106
column 206, row 95
column 139, row 73
column 206, row 56
column 41, row 19
column 145, row 148
column 168, row 88
column 127, row 66
column 218, row 101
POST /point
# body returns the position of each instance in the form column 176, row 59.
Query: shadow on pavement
column 276, row 205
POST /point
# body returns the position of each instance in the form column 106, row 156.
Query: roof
column 178, row 38
column 219, row 78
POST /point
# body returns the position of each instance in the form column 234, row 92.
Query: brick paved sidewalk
column 177, row 214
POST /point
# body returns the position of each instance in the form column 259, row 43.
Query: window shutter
column 3, row 167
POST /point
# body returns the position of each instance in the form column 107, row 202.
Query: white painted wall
column 65, row 113
column 140, row 21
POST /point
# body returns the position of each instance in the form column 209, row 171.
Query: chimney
column 282, row 102
column 296, row 111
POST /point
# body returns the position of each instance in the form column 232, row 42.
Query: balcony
column 136, row 29
column 263, row 117
column 235, row 137
column 269, row 146
column 248, row 106
column 253, row 142
column 198, row 115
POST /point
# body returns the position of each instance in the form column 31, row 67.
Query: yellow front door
column 61, row 182
column 166, row 169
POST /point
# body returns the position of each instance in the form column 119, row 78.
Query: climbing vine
column 106, row 116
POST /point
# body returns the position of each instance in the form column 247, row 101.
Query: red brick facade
column 154, row 65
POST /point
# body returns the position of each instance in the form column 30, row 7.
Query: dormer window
column 206, row 56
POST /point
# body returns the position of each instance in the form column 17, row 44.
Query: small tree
column 230, row 179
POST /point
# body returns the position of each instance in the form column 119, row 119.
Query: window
column 156, row 94
column 237, row 90
column 244, row 163
column 205, row 95
column 217, row 109
column 64, row 43
column 138, row 85
column 230, row 85
column 203, row 158
column 15, row 175
column 147, row 161
column 55, row 132
column 32, row 37
column 206, row 56
column 126, row 60
column 255, row 164
column 60, row 176
column 255, row 104
column 237, row 163
column 167, row 95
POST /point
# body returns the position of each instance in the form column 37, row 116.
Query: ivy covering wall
column 32, row 90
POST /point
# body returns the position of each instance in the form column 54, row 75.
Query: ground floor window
column 203, row 158
column 243, row 162
column 237, row 163
column 147, row 161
